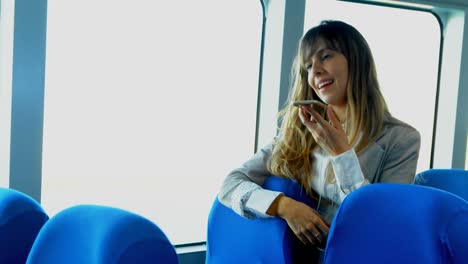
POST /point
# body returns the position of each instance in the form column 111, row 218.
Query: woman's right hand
column 306, row 223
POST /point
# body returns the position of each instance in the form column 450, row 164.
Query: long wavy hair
column 366, row 107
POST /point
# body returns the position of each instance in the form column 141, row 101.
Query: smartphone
column 310, row 102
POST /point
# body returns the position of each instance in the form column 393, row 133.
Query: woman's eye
column 325, row 56
column 308, row 66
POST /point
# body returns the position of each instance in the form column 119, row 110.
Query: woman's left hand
column 330, row 136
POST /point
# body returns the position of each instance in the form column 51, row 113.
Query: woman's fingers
column 303, row 115
column 310, row 117
column 302, row 238
column 330, row 136
column 310, row 237
column 313, row 234
column 315, row 237
column 306, row 223
column 324, row 229
column 333, row 118
column 321, row 123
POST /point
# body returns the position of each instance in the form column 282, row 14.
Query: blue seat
column 399, row 223
column 450, row 180
column 95, row 234
column 234, row 239
column 21, row 218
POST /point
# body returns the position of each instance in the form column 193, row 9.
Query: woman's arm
column 241, row 190
column 398, row 164
column 348, row 173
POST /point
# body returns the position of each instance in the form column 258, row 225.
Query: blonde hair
column 366, row 107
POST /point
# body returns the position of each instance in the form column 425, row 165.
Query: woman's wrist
column 341, row 150
column 283, row 206
column 277, row 206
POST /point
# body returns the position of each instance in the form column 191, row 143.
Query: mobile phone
column 309, row 102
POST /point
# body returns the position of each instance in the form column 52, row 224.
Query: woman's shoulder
column 396, row 130
column 392, row 123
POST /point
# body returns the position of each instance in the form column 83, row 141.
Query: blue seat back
column 21, row 218
column 399, row 223
column 95, row 234
column 234, row 239
column 450, row 180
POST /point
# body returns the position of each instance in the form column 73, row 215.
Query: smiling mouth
column 325, row 85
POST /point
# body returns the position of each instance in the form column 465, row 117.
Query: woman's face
column 327, row 72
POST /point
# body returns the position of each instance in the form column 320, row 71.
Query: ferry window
column 149, row 105
column 405, row 44
column 6, row 68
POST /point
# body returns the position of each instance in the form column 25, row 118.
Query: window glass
column 148, row 105
column 405, row 45
column 6, row 74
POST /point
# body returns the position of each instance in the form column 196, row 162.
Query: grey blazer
column 391, row 158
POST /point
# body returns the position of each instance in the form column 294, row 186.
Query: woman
column 330, row 151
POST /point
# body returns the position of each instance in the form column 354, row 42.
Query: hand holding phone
column 310, row 102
